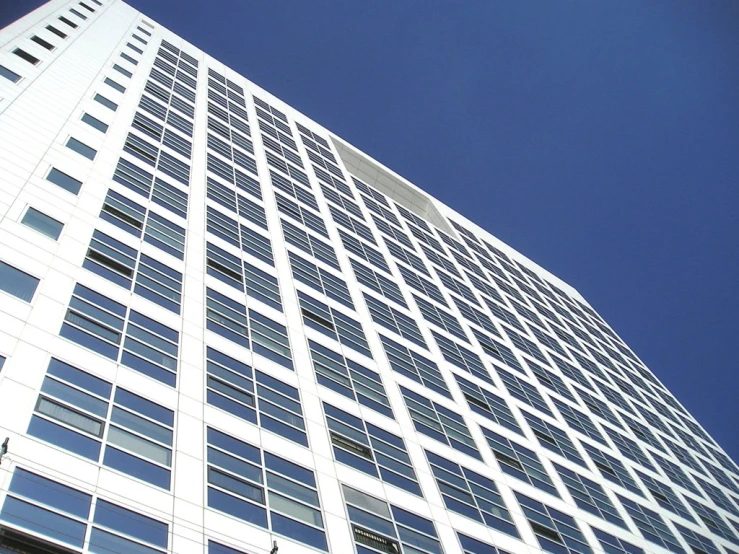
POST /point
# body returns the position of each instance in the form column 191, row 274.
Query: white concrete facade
column 342, row 287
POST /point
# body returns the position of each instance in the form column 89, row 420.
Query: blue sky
column 600, row 139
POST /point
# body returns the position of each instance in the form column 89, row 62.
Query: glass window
column 8, row 74
column 263, row 490
column 370, row 449
column 95, row 122
column 81, row 148
column 414, row 366
column 379, row 526
column 17, row 282
column 63, row 180
column 42, row 223
column 439, row 423
column 555, row 531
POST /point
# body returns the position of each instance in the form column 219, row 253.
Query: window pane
column 95, row 122
column 81, row 148
column 63, row 180
column 16, row 282
column 10, row 75
column 42, row 223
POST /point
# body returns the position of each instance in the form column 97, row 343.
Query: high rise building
column 225, row 330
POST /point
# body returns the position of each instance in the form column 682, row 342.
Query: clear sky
column 600, row 139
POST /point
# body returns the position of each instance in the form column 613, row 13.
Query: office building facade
column 223, row 329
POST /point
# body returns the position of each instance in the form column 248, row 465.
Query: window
column 41, row 42
column 70, row 184
column 555, row 531
column 226, row 317
column 553, row 438
column 370, row 449
column 262, row 286
column 713, row 521
column 122, row 71
column 104, row 101
column 296, row 191
column 519, row 462
column 129, row 58
column 78, row 14
column 462, row 357
column 61, row 513
column 264, row 490
column 470, row 494
column 349, row 378
column 42, row 223
column 676, row 474
column 309, row 244
column 421, row 284
column 16, row 282
column 439, row 423
column 81, row 148
column 320, row 280
column 95, row 122
column 614, row 545
column 456, row 286
column 612, row 469
column 68, row 22
column 351, row 224
column 392, row 319
column 698, row 543
column 551, row 380
column 96, row 322
column 440, row 318
column 9, row 75
column 269, row 339
column 473, row 546
column 498, row 351
column 300, row 214
column 332, row 323
column 579, row 421
column 719, row 497
column 629, row 448
column 665, row 496
column 381, row 527
column 117, row 262
column 22, row 54
column 85, row 415
column 364, row 251
column 474, row 315
column 527, row 346
column 651, row 525
column 342, row 202
column 390, row 231
column 255, row 397
column 56, row 31
column 487, row 404
column 590, row 496
column 2, row 362
column 159, row 191
column 377, row 282
column 414, row 366
column 400, row 253
column 240, row 236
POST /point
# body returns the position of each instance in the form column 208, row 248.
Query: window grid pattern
column 439, row 423
column 519, row 462
column 414, row 366
column 369, row 449
column 487, row 404
column 349, row 378
column 254, row 396
column 471, row 494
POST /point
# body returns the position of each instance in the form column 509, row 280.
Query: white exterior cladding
column 551, row 405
